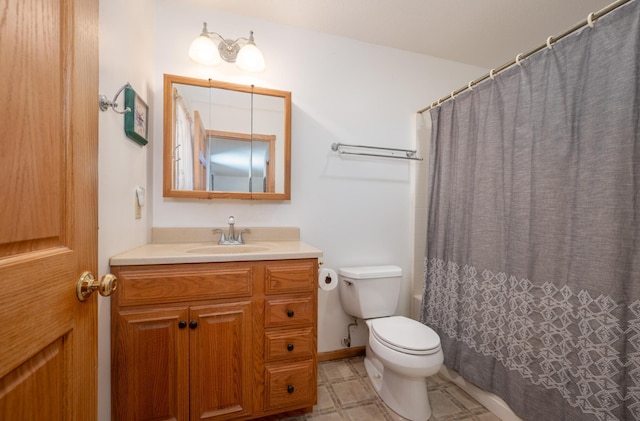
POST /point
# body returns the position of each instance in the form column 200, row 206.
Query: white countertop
column 205, row 252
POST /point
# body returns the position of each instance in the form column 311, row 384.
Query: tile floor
column 345, row 394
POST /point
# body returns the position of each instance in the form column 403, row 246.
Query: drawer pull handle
column 290, row 313
column 193, row 324
column 290, row 388
column 289, row 347
column 182, row 324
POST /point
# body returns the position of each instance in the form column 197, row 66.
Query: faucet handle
column 232, row 220
column 223, row 237
column 240, row 239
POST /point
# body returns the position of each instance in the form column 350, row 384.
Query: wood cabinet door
column 48, row 208
column 220, row 348
column 150, row 366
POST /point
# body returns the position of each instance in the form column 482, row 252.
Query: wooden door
column 200, row 158
column 220, row 349
column 151, row 364
column 48, row 208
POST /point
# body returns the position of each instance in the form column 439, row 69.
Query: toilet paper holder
column 327, row 279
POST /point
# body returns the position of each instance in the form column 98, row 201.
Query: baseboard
column 341, row 353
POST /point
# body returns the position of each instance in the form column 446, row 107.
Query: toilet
column 400, row 352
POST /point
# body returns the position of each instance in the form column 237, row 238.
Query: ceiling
column 485, row 33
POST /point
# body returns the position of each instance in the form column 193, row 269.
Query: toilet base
column 406, row 396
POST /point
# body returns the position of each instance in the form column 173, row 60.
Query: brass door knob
column 88, row 283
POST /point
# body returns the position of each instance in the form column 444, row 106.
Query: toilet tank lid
column 366, row 272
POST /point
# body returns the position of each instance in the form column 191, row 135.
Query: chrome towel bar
column 344, row 149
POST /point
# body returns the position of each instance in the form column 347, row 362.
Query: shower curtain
column 532, row 271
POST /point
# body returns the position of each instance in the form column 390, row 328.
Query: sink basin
column 228, row 249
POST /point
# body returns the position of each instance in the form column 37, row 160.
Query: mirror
column 224, row 140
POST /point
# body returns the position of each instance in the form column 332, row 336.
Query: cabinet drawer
column 291, row 276
column 175, row 283
column 283, row 344
column 290, row 384
column 288, row 311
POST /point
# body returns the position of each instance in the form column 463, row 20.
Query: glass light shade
column 250, row 58
column 204, row 51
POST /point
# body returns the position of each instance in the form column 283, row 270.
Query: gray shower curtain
column 532, row 272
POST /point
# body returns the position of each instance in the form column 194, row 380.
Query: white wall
column 358, row 211
column 126, row 55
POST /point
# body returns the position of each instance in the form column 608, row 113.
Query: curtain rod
column 589, row 21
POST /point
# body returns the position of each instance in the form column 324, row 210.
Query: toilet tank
column 370, row 291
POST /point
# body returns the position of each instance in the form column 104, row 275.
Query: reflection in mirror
column 223, row 140
column 230, row 158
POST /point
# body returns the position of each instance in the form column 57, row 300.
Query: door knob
column 88, row 283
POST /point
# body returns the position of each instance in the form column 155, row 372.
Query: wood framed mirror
column 225, row 141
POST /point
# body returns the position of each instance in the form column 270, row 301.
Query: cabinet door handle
column 290, row 313
column 193, row 324
column 182, row 324
column 290, row 388
column 289, row 347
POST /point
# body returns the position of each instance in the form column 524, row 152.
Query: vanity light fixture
column 242, row 51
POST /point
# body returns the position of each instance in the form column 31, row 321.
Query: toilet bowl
column 400, row 352
column 399, row 374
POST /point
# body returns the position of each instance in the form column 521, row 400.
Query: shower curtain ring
column 452, row 94
column 549, row 41
column 470, row 85
column 590, row 20
column 518, row 58
column 491, row 73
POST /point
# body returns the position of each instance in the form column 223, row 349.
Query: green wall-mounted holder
column 136, row 123
column 136, row 113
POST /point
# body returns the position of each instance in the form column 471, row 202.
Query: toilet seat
column 405, row 335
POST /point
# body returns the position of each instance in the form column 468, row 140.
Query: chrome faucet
column 232, row 234
column 231, row 238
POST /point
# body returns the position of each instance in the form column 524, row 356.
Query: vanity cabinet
column 214, row 341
